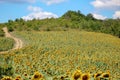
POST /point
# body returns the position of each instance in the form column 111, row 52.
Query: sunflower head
column 37, row 76
column 97, row 75
column 105, row 75
column 18, row 78
column 77, row 74
column 85, row 76
column 7, row 78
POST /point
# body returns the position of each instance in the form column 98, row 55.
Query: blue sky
column 40, row 9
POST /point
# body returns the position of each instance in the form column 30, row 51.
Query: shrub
column 1, row 33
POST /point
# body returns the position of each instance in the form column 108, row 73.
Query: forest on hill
column 69, row 20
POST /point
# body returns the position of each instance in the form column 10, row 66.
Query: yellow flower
column 7, row 78
column 97, row 75
column 76, row 75
column 18, row 78
column 85, row 76
column 105, row 75
column 25, row 74
column 37, row 76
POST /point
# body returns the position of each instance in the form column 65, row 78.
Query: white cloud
column 109, row 4
column 116, row 15
column 49, row 2
column 98, row 16
column 38, row 14
column 17, row 1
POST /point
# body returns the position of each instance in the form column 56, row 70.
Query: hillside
column 58, row 54
column 69, row 20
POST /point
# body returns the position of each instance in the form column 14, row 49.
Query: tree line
column 69, row 20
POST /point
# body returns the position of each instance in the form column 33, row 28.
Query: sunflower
column 37, row 76
column 85, row 76
column 77, row 74
column 7, row 78
column 97, row 75
column 18, row 78
column 105, row 75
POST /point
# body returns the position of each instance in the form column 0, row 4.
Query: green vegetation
column 6, row 71
column 6, row 66
column 1, row 31
column 57, row 54
column 71, row 19
column 6, row 44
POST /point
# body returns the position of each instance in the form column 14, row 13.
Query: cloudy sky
column 40, row 9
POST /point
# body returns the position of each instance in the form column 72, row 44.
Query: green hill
column 70, row 19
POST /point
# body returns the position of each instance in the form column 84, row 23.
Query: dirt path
column 18, row 42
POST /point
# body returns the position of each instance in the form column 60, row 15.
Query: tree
column 10, row 22
column 90, row 16
column 17, row 20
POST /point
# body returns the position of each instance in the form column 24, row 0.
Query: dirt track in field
column 18, row 42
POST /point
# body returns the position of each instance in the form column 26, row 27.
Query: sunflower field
column 63, row 55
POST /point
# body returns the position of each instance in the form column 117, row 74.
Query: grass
column 6, row 43
column 58, row 54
